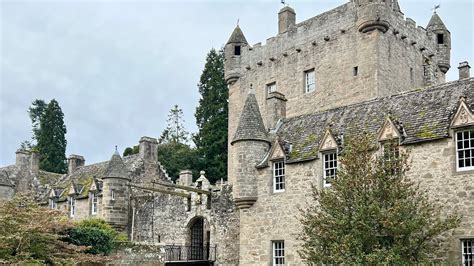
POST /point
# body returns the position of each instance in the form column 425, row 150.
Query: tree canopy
column 51, row 139
column 212, row 118
column 373, row 213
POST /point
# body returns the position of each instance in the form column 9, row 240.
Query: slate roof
column 237, row 36
column 116, row 167
column 435, row 23
column 251, row 125
column 424, row 115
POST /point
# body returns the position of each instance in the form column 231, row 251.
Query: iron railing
column 190, row 253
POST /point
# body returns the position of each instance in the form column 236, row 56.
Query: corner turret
column 250, row 143
column 116, row 193
column 233, row 51
column 442, row 38
column 374, row 14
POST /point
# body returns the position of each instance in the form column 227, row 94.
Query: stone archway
column 198, row 239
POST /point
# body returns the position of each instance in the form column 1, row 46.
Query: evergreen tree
column 211, row 118
column 36, row 112
column 51, row 142
column 174, row 152
column 372, row 214
column 175, row 131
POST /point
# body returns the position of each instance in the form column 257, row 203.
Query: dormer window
column 237, row 50
column 279, row 176
column 53, row 204
column 329, row 167
column 72, row 206
column 93, row 198
column 465, row 150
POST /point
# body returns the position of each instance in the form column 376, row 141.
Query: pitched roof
column 423, row 115
column 436, row 23
column 116, row 167
column 237, row 36
column 251, row 125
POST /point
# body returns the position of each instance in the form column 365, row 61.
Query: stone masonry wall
column 274, row 216
column 171, row 220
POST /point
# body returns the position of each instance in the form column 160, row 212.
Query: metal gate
column 197, row 240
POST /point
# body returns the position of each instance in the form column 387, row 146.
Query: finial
column 116, row 150
column 435, row 8
column 238, row 22
column 251, row 91
column 283, row 2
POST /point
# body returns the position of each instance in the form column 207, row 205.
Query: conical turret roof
column 237, row 36
column 436, row 23
column 116, row 167
column 251, row 125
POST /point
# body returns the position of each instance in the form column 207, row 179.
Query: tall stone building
column 362, row 66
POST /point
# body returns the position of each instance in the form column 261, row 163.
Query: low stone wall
column 139, row 254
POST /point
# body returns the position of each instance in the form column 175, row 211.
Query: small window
column 465, row 150
column 391, row 153
column 112, row 194
column 440, row 38
column 188, row 207
column 467, row 252
column 329, row 167
column 310, row 81
column 411, row 74
column 53, row 204
column 278, row 252
column 355, row 71
column 237, row 50
column 72, row 206
column 272, row 87
column 93, row 204
column 279, row 176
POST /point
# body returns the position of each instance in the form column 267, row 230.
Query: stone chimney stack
column 34, row 162
column 464, row 70
column 186, row 178
column 22, row 158
column 276, row 108
column 148, row 149
column 73, row 162
column 286, row 19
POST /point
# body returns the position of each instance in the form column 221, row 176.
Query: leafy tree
column 131, row 150
column 94, row 233
column 30, row 234
column 373, row 214
column 175, row 131
column 51, row 140
column 211, row 118
column 175, row 156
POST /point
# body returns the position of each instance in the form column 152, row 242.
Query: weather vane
column 284, row 2
column 436, row 7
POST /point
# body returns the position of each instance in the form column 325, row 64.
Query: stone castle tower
column 359, row 51
column 116, row 193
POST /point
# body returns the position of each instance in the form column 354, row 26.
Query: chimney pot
column 464, row 70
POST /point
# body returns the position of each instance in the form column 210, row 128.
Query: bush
column 94, row 233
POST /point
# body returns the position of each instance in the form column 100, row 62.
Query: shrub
column 94, row 233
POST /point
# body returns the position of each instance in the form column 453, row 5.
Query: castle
column 359, row 67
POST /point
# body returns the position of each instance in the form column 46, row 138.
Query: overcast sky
column 117, row 67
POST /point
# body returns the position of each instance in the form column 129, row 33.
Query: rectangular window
column 440, row 38
column 112, row 194
column 310, row 81
column 467, row 252
column 237, row 50
column 391, row 153
column 53, row 204
column 329, row 167
column 278, row 253
column 272, row 87
column 465, row 150
column 72, row 206
column 279, row 176
column 93, row 203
